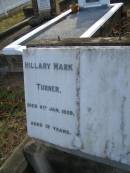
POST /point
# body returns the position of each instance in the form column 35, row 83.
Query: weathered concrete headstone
column 59, row 104
column 78, row 98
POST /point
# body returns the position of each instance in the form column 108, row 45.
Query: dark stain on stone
column 106, row 147
column 89, row 109
column 122, row 126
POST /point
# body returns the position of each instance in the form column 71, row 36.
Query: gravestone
column 44, row 6
column 78, row 98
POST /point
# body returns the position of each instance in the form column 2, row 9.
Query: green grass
column 11, row 101
column 11, row 20
column 12, row 119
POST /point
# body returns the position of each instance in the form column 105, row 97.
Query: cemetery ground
column 12, row 114
column 13, row 17
column 10, row 21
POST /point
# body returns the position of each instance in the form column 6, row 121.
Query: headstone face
column 51, row 109
column 79, row 97
column 93, row 3
column 44, row 5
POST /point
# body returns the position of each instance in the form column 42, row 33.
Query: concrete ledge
column 14, row 28
column 45, row 157
column 99, row 41
column 16, row 163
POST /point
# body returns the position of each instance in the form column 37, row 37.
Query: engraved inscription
column 48, row 88
column 60, row 130
column 50, row 96
column 51, row 109
column 42, row 66
column 47, row 66
column 48, row 126
column 31, row 105
column 66, row 67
